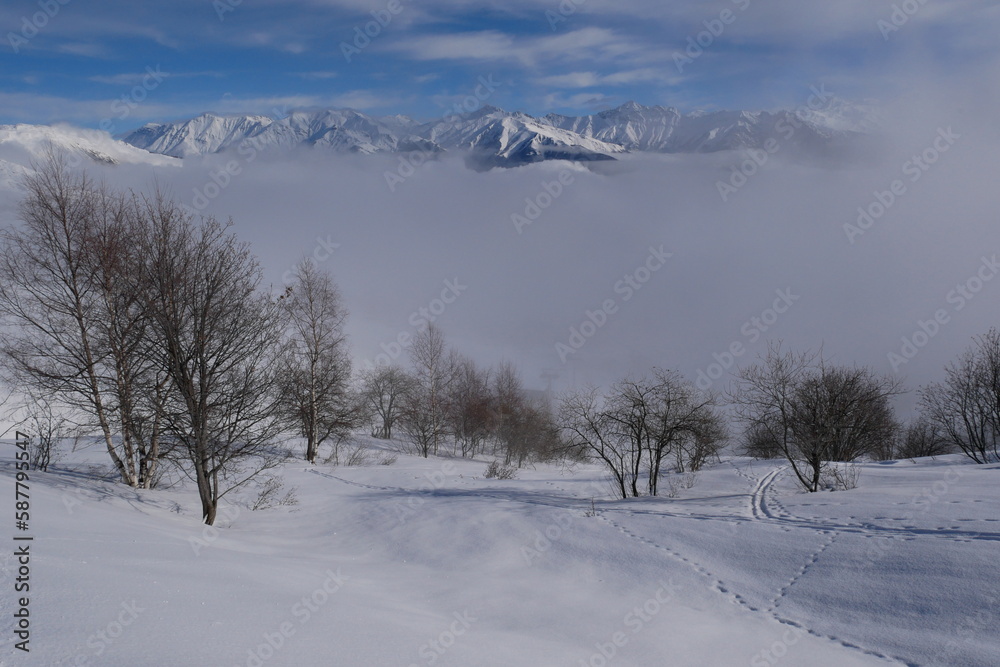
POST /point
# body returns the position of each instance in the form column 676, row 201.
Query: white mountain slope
column 340, row 130
column 205, row 134
column 631, row 125
column 667, row 130
column 510, row 139
column 22, row 145
column 336, row 129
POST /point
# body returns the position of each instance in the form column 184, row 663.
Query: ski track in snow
column 721, row 587
column 779, row 515
column 793, row 553
column 760, row 511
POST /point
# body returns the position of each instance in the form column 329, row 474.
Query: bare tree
column 923, row 438
column 469, row 406
column 842, row 413
column 627, row 415
column 521, row 425
column 759, row 442
column 641, row 421
column 218, row 338
column 65, row 286
column 966, row 406
column 682, row 421
column 508, row 402
column 47, row 426
column 138, row 392
column 660, row 415
column 384, row 391
column 764, row 400
column 814, row 412
column 588, row 428
column 425, row 413
column 537, row 433
column 316, row 368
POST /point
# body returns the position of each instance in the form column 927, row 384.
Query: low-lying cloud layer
column 693, row 262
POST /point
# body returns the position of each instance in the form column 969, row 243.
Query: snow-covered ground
column 424, row 562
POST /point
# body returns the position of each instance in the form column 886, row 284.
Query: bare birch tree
column 316, row 368
column 77, row 327
column 425, row 415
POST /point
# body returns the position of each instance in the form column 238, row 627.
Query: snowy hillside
column 22, row 145
column 425, row 563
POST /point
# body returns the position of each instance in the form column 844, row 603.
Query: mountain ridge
column 496, row 137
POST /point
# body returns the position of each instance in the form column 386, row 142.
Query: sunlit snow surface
column 425, row 562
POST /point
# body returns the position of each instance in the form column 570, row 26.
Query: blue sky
column 71, row 60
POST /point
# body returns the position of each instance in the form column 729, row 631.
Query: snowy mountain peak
column 630, row 106
column 208, row 133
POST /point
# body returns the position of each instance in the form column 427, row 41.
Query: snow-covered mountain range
column 494, row 137
column 488, row 137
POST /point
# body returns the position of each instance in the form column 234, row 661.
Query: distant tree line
column 153, row 329
column 446, row 403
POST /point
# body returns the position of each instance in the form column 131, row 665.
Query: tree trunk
column 205, row 491
column 311, row 445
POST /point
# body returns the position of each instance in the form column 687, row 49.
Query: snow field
column 426, row 563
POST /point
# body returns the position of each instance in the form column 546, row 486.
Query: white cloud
column 362, row 99
column 42, row 109
column 639, row 75
column 592, row 101
column 586, row 44
column 317, row 76
column 487, row 45
column 283, row 104
column 127, row 79
column 572, row 80
column 592, row 79
column 132, row 78
column 783, row 230
column 84, row 49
